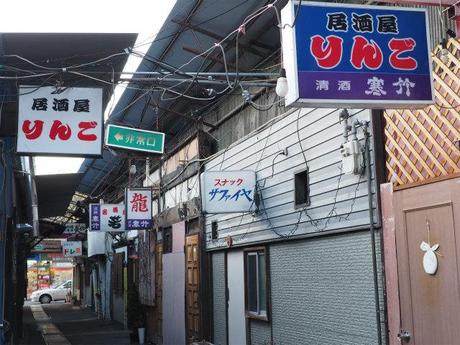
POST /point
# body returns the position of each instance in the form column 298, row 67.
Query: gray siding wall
column 260, row 332
column 219, row 301
column 337, row 201
column 323, row 292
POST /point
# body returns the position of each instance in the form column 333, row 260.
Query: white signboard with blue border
column 107, row 217
column 228, row 191
column 138, row 203
column 356, row 56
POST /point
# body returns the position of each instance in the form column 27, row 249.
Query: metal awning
column 55, row 193
column 191, row 27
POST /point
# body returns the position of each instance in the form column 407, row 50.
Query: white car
column 52, row 294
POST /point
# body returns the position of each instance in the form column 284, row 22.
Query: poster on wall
column 60, row 122
column 72, row 248
column 138, row 203
column 356, row 56
column 107, row 217
column 228, row 191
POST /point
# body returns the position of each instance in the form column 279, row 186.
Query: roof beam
column 188, row 117
column 211, row 57
column 219, row 37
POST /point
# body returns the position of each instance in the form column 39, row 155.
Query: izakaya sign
column 107, row 217
column 69, row 122
column 72, row 248
column 356, row 56
column 138, row 202
column 228, row 191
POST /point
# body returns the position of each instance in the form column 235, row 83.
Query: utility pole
column 5, row 212
column 2, row 241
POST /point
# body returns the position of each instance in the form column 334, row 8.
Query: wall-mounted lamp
column 282, row 84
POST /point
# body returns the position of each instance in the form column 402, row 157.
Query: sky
column 144, row 17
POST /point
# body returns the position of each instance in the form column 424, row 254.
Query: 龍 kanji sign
column 68, row 122
column 138, row 203
column 228, row 191
column 356, row 56
column 107, row 217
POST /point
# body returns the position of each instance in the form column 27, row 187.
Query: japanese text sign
column 356, row 56
column 73, row 228
column 69, row 122
column 134, row 139
column 138, row 203
column 228, row 191
column 72, row 248
column 107, row 217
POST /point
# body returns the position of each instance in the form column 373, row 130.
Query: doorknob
column 404, row 336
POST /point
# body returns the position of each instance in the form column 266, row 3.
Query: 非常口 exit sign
column 134, row 139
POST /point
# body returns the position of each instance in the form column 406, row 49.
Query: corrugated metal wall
column 322, row 291
column 337, row 201
column 218, row 299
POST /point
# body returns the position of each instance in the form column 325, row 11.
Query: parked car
column 57, row 293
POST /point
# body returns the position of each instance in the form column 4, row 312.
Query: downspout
column 34, row 198
column 2, row 241
column 367, row 153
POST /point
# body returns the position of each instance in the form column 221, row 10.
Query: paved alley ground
column 65, row 324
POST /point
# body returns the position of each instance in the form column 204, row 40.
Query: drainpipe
column 33, row 192
column 3, row 177
column 372, row 228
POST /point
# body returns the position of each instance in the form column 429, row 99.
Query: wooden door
column 192, row 246
column 429, row 303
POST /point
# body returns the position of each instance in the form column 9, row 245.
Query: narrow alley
column 230, row 172
column 63, row 324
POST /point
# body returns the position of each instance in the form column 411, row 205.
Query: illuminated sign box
column 356, row 56
column 228, row 191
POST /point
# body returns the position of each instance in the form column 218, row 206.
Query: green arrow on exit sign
column 134, row 139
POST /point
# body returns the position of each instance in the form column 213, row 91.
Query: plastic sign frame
column 228, row 191
column 403, row 69
column 66, row 123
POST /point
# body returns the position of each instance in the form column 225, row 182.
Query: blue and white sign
column 228, row 191
column 356, row 56
column 107, row 217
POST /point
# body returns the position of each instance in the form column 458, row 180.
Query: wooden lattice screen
column 423, row 144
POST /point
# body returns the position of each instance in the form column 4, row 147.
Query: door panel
column 236, row 309
column 430, row 303
column 193, row 287
column 159, row 290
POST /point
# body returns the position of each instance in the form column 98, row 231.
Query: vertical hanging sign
column 60, row 122
column 107, row 217
column 356, row 56
column 138, row 203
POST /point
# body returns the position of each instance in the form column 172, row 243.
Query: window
column 301, row 189
column 256, row 283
